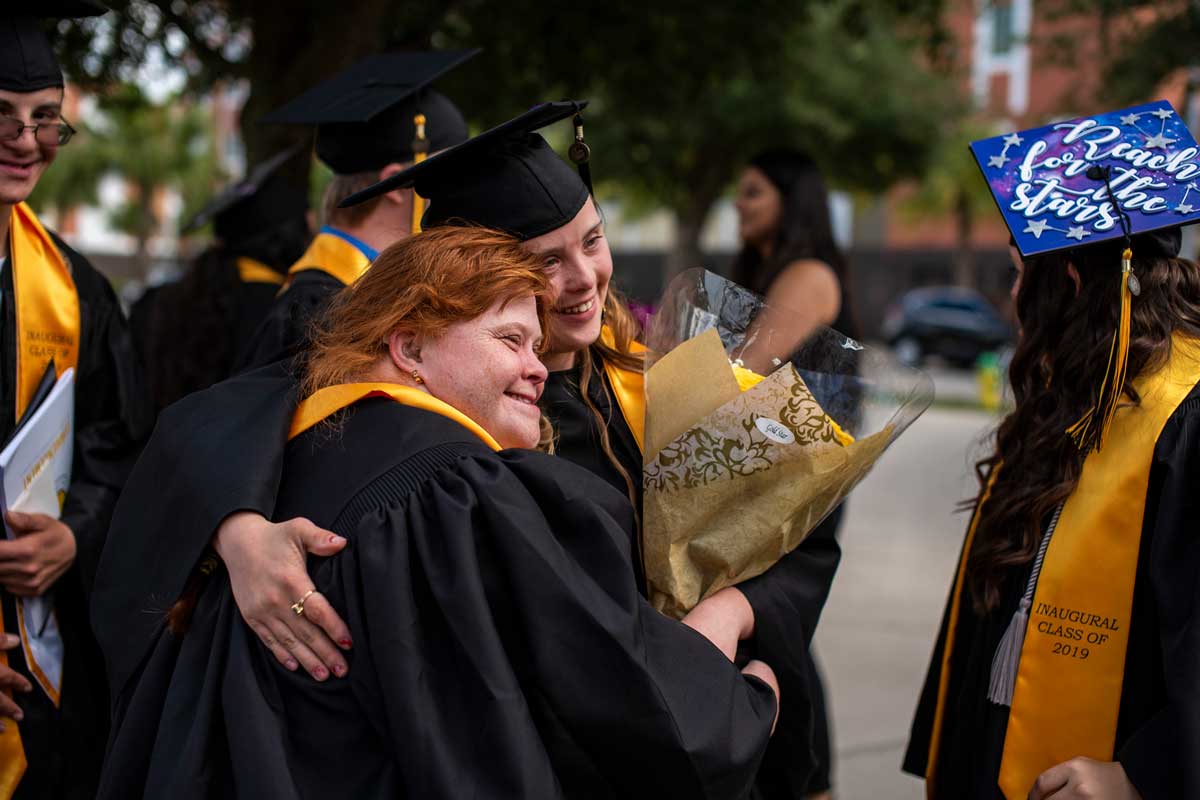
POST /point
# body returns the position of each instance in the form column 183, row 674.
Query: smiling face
column 23, row 160
column 488, row 368
column 579, row 264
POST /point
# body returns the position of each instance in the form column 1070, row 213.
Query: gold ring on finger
column 298, row 606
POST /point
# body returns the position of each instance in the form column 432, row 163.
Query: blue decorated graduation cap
column 1129, row 177
column 1056, row 185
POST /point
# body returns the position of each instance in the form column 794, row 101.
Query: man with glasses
column 55, row 309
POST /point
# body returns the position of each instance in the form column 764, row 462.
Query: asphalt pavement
column 900, row 540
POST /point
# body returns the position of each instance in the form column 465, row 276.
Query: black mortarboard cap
column 27, row 60
column 253, row 205
column 507, row 178
column 365, row 115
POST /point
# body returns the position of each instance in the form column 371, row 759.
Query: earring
column 416, row 376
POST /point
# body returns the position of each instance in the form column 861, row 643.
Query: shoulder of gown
column 284, row 329
column 212, row 453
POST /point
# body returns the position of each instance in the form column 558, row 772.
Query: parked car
column 954, row 323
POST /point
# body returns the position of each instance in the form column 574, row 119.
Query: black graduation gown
column 1158, row 724
column 578, row 437
column 197, row 479
column 787, row 599
column 62, row 745
column 214, row 452
column 502, row 648
column 285, row 329
column 252, row 300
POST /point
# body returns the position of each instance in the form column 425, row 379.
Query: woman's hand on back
column 268, row 573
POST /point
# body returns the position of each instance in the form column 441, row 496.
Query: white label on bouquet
column 775, row 431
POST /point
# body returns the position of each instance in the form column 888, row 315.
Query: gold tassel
column 1089, row 431
column 420, row 152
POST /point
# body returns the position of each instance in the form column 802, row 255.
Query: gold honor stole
column 47, row 315
column 251, row 271
column 629, row 387
column 326, row 402
column 1072, row 664
column 333, row 255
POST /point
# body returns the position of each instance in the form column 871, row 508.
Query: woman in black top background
column 789, row 255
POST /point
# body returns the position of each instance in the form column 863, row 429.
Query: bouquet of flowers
column 752, row 439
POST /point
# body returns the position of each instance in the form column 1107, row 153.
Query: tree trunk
column 964, row 255
column 296, row 46
column 147, row 222
column 1190, row 246
column 686, row 252
column 689, row 224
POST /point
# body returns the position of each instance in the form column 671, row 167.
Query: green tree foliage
column 150, row 146
column 280, row 47
column 953, row 186
column 682, row 92
column 1144, row 42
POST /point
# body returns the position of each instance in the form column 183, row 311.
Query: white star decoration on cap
column 998, row 161
column 1158, row 140
column 1184, row 207
column 1037, row 227
column 1163, row 113
column 1130, row 119
column 1077, row 232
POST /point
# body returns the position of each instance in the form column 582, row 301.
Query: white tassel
column 1008, row 657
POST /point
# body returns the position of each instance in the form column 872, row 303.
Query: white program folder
column 35, row 471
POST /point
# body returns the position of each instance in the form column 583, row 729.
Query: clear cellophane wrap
column 741, row 466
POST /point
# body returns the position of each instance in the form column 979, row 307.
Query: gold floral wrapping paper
column 734, row 480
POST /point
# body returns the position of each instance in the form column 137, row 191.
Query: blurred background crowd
column 883, row 94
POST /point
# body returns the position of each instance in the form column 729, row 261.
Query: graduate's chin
column 518, row 431
column 575, row 336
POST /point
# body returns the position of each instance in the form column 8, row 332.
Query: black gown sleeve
column 213, row 453
column 112, row 416
column 787, row 601
column 522, row 631
column 1160, row 756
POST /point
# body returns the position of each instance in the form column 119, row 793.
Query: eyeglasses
column 47, row 134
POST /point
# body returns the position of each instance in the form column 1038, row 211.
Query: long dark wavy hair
column 805, row 228
column 1056, row 374
column 189, row 342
